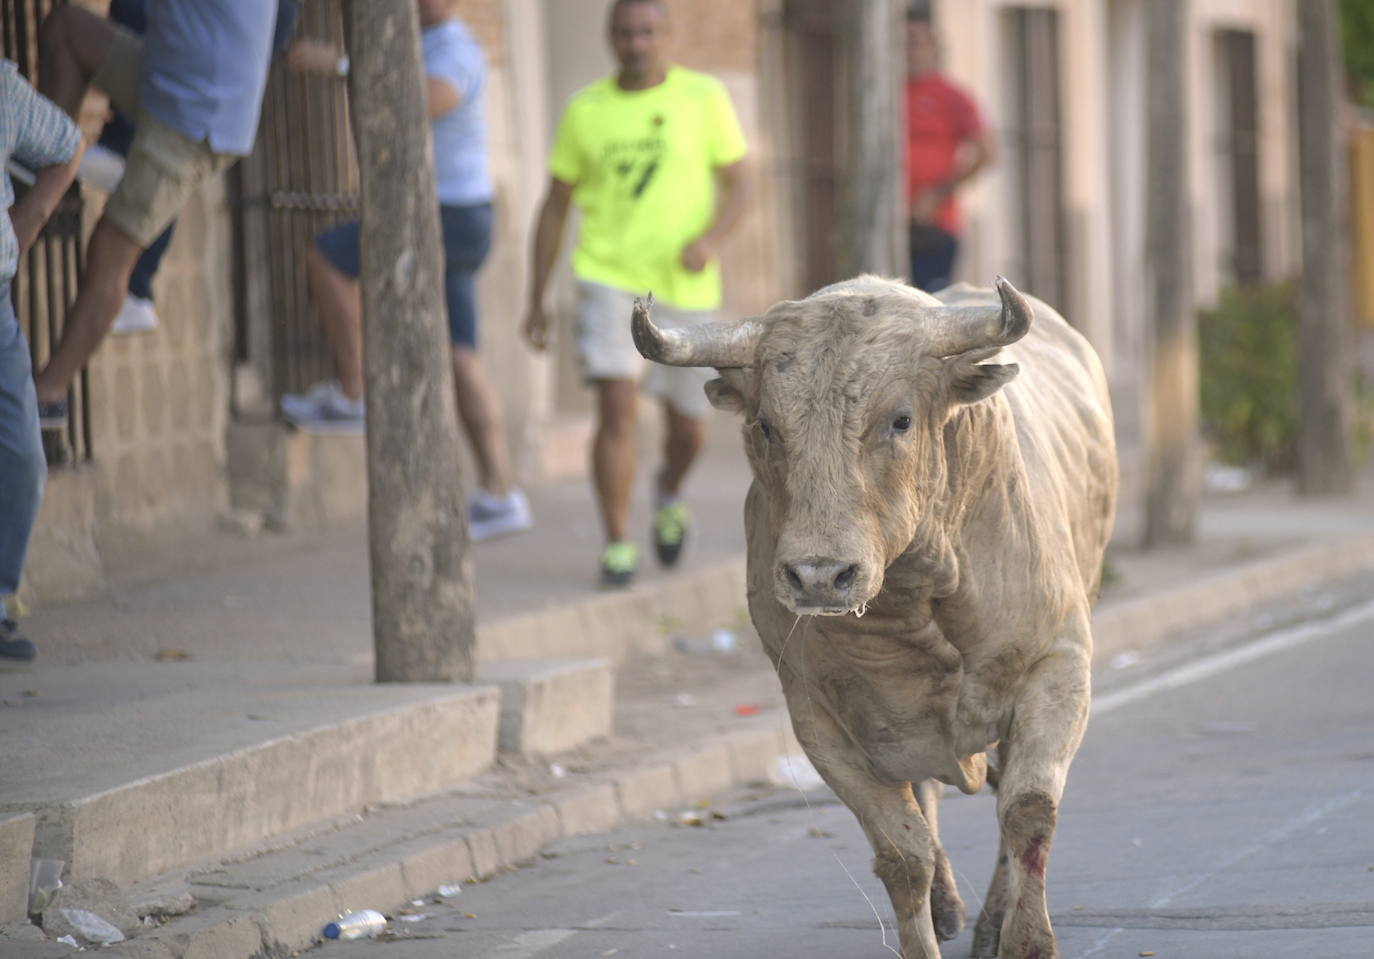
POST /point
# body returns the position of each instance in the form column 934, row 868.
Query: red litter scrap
column 746, row 709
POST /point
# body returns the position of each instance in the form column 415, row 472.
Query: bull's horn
column 964, row 328
column 723, row 345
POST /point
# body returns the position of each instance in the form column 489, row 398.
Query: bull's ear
column 971, row 381
column 723, row 396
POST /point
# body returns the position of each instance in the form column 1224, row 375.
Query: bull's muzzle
column 820, row 586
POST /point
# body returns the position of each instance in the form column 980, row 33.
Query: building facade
column 183, row 433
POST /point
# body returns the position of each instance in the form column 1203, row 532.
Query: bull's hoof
column 987, row 935
column 946, row 910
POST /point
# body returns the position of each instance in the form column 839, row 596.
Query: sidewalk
column 186, row 718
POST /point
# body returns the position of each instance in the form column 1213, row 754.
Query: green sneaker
column 618, row 564
column 671, row 522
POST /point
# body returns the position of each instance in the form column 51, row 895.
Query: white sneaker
column 325, row 409
column 101, row 167
column 136, row 315
column 490, row 516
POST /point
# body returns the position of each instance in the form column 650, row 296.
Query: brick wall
column 715, row 35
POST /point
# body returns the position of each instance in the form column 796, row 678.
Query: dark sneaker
column 52, row 417
column 52, row 421
column 14, row 646
column 619, row 561
column 671, row 522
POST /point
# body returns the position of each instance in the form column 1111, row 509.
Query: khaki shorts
column 607, row 350
column 164, row 165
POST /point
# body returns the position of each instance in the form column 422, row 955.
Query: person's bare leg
column 110, row 258
column 480, row 413
column 683, row 441
column 613, row 453
column 339, row 302
column 74, row 43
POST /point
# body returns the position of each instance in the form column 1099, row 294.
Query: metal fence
column 45, row 286
column 300, row 178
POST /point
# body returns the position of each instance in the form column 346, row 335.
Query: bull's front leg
column 946, row 907
column 903, row 847
column 1050, row 716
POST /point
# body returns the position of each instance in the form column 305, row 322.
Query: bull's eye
column 765, row 429
column 902, row 423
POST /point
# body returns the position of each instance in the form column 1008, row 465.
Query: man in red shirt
column 946, row 146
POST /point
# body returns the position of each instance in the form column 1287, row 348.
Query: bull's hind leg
column 903, row 847
column 946, row 908
column 1045, row 731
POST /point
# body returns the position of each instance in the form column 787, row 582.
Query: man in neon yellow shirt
column 641, row 153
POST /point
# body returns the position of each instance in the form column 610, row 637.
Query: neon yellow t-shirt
column 642, row 166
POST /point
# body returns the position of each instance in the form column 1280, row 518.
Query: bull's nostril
column 794, row 580
column 846, row 577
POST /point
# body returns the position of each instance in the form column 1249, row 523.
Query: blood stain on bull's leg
column 1033, row 859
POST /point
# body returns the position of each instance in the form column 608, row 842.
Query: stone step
column 216, row 764
column 131, row 789
column 16, row 842
column 551, row 706
column 276, row 903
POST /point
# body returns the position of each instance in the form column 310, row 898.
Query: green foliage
column 1249, row 373
column 1357, row 37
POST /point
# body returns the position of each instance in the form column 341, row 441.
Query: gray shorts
column 607, row 351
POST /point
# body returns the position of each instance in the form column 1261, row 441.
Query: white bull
column 926, row 531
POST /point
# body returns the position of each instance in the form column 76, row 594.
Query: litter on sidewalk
column 363, row 924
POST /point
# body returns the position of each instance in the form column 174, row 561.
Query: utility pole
column 1325, row 464
column 422, row 598
column 874, row 208
column 1173, row 477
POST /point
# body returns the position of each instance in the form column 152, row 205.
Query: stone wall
column 158, row 403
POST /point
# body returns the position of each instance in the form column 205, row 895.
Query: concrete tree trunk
column 422, row 598
column 875, row 233
column 1173, row 476
column 1324, row 374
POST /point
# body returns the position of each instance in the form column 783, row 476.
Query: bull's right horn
column 724, row 345
column 959, row 329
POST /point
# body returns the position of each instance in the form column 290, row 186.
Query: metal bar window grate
column 300, row 178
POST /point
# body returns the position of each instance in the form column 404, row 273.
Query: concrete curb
column 147, row 826
column 1138, row 624
column 616, row 625
column 287, row 916
column 16, row 846
column 549, row 706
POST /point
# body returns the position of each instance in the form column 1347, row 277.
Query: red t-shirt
column 939, row 118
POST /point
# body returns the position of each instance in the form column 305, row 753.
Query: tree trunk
column 1324, row 375
column 874, row 207
column 1173, row 476
column 422, row 599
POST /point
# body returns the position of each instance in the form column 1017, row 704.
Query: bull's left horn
column 964, row 328
column 723, row 345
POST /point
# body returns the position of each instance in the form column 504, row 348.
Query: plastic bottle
column 363, row 924
column 721, row 642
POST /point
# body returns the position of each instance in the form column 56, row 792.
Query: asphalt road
column 1224, row 809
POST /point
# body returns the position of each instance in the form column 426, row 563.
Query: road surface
column 1222, row 809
